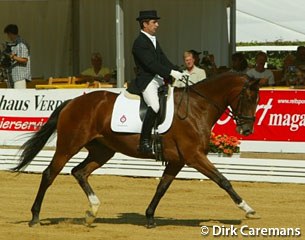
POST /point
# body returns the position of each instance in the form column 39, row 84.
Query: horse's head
column 244, row 109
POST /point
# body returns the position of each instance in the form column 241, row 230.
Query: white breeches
column 150, row 94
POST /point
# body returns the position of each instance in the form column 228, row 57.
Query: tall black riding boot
column 148, row 123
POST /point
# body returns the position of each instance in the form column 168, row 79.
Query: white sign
column 26, row 110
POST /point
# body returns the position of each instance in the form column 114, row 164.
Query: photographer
column 20, row 69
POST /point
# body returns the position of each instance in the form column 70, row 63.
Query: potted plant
column 224, row 145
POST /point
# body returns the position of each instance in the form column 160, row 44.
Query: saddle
column 126, row 117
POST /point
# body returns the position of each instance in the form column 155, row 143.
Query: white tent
column 270, row 20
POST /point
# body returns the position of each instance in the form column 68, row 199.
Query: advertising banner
column 280, row 116
column 26, row 110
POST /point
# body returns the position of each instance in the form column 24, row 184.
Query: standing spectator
column 259, row 71
column 97, row 71
column 195, row 73
column 20, row 69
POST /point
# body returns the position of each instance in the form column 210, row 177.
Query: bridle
column 237, row 114
column 234, row 114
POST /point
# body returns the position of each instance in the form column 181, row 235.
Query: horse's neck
column 199, row 105
column 221, row 89
column 210, row 99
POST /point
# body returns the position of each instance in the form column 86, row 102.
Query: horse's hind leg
column 170, row 172
column 208, row 169
column 98, row 155
column 49, row 174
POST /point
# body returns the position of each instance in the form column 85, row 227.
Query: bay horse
column 84, row 122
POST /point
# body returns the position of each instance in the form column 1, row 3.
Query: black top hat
column 148, row 14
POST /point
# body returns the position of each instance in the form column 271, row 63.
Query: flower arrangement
column 224, row 144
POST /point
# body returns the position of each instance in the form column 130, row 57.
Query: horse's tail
column 34, row 145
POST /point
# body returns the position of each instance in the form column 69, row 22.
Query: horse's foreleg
column 225, row 184
column 170, row 172
column 98, row 156
column 48, row 176
column 209, row 170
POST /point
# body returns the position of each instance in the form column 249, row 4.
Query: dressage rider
column 152, row 68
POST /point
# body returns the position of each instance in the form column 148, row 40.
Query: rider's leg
column 150, row 95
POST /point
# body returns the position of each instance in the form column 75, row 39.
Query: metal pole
column 232, row 29
column 120, row 60
column 75, row 36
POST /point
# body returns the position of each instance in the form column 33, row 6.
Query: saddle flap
column 126, row 118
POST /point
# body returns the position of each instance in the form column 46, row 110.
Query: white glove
column 176, row 74
column 185, row 75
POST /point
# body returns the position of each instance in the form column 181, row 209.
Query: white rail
column 234, row 168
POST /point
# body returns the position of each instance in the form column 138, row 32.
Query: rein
column 236, row 115
column 186, row 90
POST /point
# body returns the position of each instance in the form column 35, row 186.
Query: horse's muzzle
column 244, row 130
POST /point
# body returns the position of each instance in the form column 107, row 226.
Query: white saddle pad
column 125, row 115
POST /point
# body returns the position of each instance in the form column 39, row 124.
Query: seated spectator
column 209, row 65
column 288, row 68
column 239, row 63
column 300, row 58
column 97, row 71
column 196, row 56
column 196, row 74
column 294, row 68
column 259, row 71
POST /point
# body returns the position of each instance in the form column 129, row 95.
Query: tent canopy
column 270, row 20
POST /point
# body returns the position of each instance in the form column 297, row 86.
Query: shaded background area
column 64, row 33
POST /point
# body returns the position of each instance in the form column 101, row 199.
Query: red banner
column 21, row 123
column 280, row 116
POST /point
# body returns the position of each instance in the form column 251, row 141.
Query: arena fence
column 234, row 168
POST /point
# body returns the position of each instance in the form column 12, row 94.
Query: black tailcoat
column 149, row 62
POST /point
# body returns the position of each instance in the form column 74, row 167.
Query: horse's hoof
column 151, row 223
column 252, row 215
column 89, row 217
column 34, row 223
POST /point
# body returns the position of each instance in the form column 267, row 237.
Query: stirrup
column 145, row 146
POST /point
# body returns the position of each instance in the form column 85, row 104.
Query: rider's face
column 151, row 26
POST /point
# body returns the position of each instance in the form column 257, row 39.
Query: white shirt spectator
column 196, row 75
column 267, row 74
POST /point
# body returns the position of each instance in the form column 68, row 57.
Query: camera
column 5, row 59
